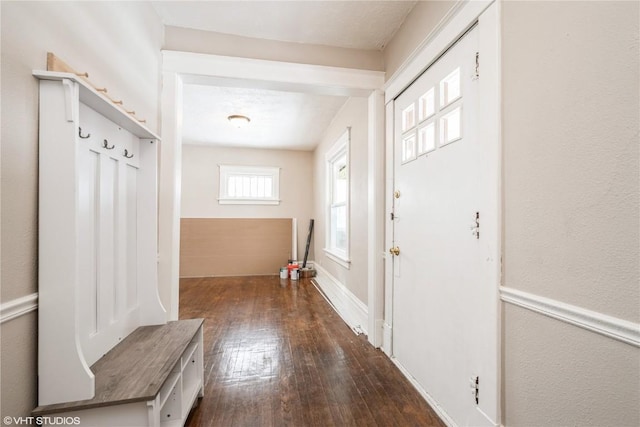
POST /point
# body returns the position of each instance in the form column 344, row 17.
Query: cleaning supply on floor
column 291, row 266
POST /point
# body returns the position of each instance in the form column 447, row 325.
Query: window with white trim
column 249, row 185
column 337, row 229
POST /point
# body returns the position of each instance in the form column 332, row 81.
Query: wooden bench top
column 136, row 368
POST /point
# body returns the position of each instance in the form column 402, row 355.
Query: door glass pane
column 450, row 88
column 408, row 148
column 427, row 104
column 451, row 127
column 427, row 138
column 408, row 117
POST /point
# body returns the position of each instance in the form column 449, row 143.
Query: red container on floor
column 291, row 267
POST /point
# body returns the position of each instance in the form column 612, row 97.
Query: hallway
column 276, row 353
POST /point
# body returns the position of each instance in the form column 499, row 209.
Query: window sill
column 247, row 202
column 337, row 258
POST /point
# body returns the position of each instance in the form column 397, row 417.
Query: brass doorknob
column 394, row 251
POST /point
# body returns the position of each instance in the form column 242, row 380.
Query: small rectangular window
column 451, row 126
column 427, row 138
column 337, row 237
column 408, row 117
column 450, row 88
column 408, row 148
column 427, row 104
column 249, row 185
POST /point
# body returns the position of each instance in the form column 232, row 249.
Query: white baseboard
column 386, row 339
column 426, row 396
column 18, row 307
column 609, row 326
column 353, row 311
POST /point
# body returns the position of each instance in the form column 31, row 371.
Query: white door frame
column 186, row 67
column 461, row 17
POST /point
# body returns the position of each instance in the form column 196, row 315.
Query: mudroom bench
column 107, row 355
column 151, row 378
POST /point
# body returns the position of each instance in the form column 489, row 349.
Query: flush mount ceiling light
column 238, row 120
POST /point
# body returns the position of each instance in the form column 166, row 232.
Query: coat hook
column 80, row 133
column 85, row 75
column 142, row 120
column 132, row 112
column 114, row 101
column 127, row 155
column 105, row 144
column 102, row 89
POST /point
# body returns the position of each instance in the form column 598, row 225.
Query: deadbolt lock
column 394, row 251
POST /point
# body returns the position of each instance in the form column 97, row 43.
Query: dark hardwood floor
column 276, row 354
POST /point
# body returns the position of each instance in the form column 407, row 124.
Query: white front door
column 444, row 307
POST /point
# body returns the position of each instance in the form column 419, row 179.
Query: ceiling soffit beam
column 197, row 68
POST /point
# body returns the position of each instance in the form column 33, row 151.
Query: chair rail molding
column 18, row 307
column 609, row 326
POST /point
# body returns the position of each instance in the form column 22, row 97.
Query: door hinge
column 476, row 76
column 392, row 216
column 475, row 228
column 474, row 383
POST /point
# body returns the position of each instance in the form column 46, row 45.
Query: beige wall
column 353, row 114
column 570, row 91
column 119, row 45
column 200, row 183
column 198, row 41
column 557, row 374
column 570, row 136
column 571, row 152
column 571, row 207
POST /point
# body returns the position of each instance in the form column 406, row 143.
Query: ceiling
column 357, row 24
column 279, row 119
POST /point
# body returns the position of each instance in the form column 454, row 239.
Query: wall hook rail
column 105, row 144
column 127, row 155
column 81, row 135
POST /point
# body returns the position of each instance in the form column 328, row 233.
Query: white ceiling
column 283, row 120
column 279, row 120
column 358, row 24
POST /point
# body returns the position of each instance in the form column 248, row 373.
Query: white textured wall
column 200, row 184
column 353, row 114
column 571, row 108
column 118, row 44
column 570, row 94
column 557, row 374
column 571, row 86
